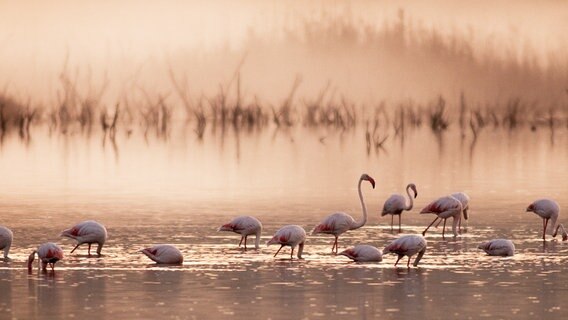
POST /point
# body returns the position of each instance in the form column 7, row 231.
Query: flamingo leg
column 544, row 230
column 444, row 229
column 408, row 263
column 392, row 220
column 460, row 225
column 399, row 229
column 281, row 246
column 77, row 246
column 292, row 254
column 424, row 232
column 246, row 242
column 335, row 245
column 89, row 251
column 397, row 260
column 438, row 224
column 241, row 241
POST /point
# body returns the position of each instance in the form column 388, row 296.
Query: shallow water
column 180, row 190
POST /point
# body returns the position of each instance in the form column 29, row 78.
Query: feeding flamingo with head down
column 245, row 226
column 340, row 222
column 464, row 200
column 408, row 245
column 363, row 253
column 6, row 237
column 444, row 208
column 396, row 203
column 164, row 254
column 87, row 232
column 548, row 209
column 498, row 247
column 47, row 253
column 291, row 236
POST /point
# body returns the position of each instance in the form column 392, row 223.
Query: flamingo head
column 530, row 208
column 413, row 187
column 365, row 176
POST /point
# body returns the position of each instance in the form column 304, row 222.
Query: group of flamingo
column 91, row 232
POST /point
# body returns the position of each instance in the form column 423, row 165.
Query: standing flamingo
column 6, row 237
column 408, row 245
column 47, row 253
column 444, row 208
column 245, row 226
column 340, row 222
column 87, row 232
column 164, row 254
column 548, row 209
column 396, row 203
column 363, row 253
column 498, row 247
column 292, row 236
column 464, row 200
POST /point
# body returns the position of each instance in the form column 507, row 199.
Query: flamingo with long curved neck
column 340, row 222
column 548, row 209
column 396, row 203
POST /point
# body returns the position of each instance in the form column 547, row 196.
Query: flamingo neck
column 257, row 241
column 455, row 224
column 363, row 206
column 552, row 225
column 300, row 250
column 31, row 259
column 420, row 255
column 411, row 204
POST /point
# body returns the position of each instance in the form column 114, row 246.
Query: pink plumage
column 290, row 236
column 6, row 238
column 245, row 226
column 87, row 232
column 363, row 253
column 548, row 209
column 396, row 204
column 444, row 208
column 48, row 253
column 164, row 254
column 340, row 222
column 407, row 245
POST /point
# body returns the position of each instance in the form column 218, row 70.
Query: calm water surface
column 179, row 190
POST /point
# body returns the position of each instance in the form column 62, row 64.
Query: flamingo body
column 6, row 237
column 290, row 236
column 396, row 203
column 444, row 208
column 498, row 247
column 87, row 232
column 164, row 254
column 339, row 222
column 548, row 209
column 245, row 226
column 48, row 253
column 407, row 245
column 363, row 253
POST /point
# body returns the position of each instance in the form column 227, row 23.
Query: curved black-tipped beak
column 415, row 195
column 372, row 181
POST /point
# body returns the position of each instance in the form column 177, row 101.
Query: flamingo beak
column 372, row 181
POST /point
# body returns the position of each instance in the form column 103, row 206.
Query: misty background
column 365, row 51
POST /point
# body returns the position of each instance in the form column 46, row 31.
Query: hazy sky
column 35, row 36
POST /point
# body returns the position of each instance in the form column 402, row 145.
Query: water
column 179, row 190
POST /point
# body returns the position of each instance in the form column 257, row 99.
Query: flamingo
column 407, row 245
column 498, row 247
column 444, row 208
column 340, row 222
column 87, row 232
column 292, row 236
column 396, row 203
column 464, row 199
column 363, row 253
column 6, row 237
column 47, row 253
column 164, row 254
column 548, row 209
column 245, row 226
